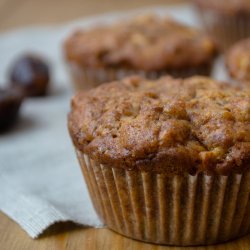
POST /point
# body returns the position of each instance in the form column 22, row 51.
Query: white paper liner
column 225, row 29
column 178, row 210
column 86, row 78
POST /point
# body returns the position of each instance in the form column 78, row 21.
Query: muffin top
column 229, row 6
column 146, row 43
column 169, row 125
column 238, row 61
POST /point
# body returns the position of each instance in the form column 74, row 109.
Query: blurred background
column 19, row 13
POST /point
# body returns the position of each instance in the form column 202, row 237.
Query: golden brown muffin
column 238, row 61
column 138, row 124
column 166, row 161
column 147, row 44
column 227, row 22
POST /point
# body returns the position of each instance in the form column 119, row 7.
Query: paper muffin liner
column 225, row 29
column 177, row 210
column 86, row 78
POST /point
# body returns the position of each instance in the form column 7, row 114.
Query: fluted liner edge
column 225, row 29
column 178, row 210
column 86, row 78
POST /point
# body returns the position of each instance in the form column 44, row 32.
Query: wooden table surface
column 19, row 13
column 68, row 236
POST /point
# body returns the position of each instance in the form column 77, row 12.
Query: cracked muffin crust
column 146, row 42
column 170, row 125
column 145, row 45
column 238, row 61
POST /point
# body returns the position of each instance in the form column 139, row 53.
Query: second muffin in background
column 146, row 45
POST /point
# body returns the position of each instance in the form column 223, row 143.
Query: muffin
column 238, row 61
column 146, row 45
column 227, row 22
column 166, row 161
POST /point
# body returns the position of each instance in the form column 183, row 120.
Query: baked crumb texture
column 166, row 161
column 145, row 43
column 169, row 126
